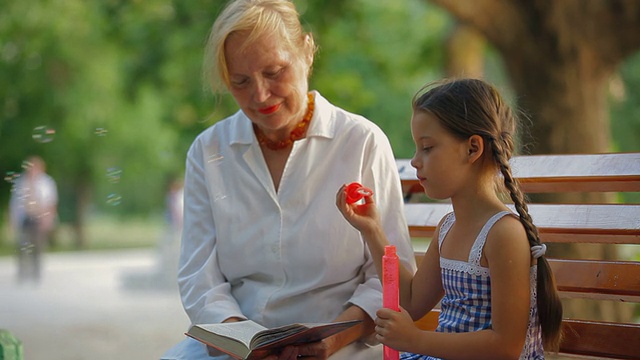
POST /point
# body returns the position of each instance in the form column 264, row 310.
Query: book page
column 298, row 334
column 268, row 336
column 242, row 331
column 249, row 340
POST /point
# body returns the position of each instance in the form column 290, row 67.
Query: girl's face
column 268, row 81
column 441, row 160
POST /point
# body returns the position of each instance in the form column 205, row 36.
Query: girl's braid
column 501, row 157
column 549, row 305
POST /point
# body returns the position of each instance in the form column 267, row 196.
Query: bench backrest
column 603, row 223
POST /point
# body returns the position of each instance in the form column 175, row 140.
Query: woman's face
column 268, row 81
column 440, row 158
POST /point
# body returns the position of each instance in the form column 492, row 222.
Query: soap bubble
column 114, row 199
column 27, row 248
column 214, row 160
column 11, row 177
column 114, row 174
column 26, row 165
column 43, row 134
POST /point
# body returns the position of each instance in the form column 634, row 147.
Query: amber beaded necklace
column 296, row 134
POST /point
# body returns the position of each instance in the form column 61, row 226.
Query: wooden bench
column 597, row 223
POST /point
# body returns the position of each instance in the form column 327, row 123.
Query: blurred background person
column 169, row 247
column 163, row 275
column 33, row 210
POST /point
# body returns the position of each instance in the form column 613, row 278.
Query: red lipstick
column 269, row 110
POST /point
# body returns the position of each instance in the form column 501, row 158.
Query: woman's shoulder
column 356, row 125
column 224, row 124
column 231, row 128
column 343, row 117
column 334, row 122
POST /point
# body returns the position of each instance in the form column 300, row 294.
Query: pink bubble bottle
column 390, row 290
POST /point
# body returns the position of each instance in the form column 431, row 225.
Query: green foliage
column 117, row 81
column 625, row 107
column 625, row 112
column 120, row 84
column 372, row 61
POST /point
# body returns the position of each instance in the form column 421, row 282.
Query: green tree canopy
column 110, row 92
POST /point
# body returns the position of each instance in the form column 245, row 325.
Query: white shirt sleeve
column 205, row 292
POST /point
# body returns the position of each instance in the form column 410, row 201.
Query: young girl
column 486, row 264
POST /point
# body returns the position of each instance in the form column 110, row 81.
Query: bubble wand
column 356, row 191
column 390, row 290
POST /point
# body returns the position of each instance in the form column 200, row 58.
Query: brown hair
column 467, row 107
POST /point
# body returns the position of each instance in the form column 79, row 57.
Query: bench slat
column 601, row 339
column 429, row 321
column 613, row 172
column 590, row 338
column 598, row 279
column 593, row 279
column 606, row 223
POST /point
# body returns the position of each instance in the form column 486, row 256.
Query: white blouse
column 287, row 256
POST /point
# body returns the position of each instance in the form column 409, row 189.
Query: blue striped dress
column 466, row 305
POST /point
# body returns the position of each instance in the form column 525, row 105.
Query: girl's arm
column 508, row 257
column 426, row 286
column 419, row 299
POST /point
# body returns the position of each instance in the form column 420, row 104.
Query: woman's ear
column 475, row 148
column 308, row 40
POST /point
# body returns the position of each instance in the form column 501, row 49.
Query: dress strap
column 478, row 245
column 449, row 219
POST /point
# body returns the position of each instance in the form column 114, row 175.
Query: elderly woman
column 262, row 237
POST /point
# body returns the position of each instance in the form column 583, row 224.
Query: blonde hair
column 258, row 17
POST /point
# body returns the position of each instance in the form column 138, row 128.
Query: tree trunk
column 465, row 53
column 567, row 105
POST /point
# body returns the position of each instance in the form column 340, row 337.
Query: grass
column 102, row 232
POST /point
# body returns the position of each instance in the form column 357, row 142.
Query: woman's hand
column 363, row 217
column 288, row 353
column 317, row 350
column 233, row 319
column 396, row 329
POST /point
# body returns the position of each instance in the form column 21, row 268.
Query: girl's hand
column 396, row 329
column 363, row 217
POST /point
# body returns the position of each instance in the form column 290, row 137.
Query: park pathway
column 98, row 305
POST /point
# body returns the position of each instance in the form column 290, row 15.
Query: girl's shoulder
column 506, row 238
column 507, row 226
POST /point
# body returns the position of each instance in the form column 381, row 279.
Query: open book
column 250, row 340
